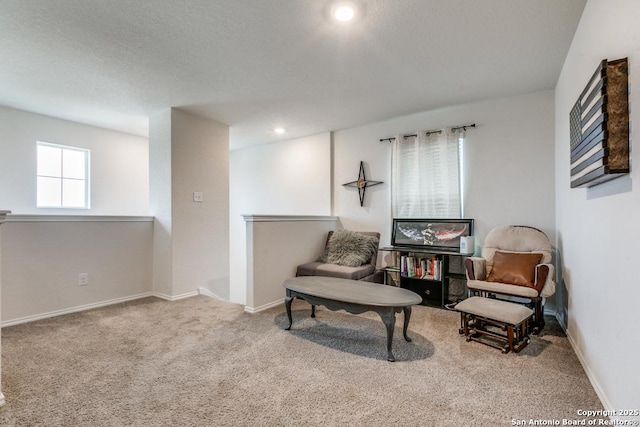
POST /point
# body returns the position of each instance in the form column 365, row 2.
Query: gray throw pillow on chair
column 349, row 248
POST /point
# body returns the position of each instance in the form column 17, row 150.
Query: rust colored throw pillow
column 514, row 268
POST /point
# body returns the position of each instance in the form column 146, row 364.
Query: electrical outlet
column 197, row 196
column 83, row 279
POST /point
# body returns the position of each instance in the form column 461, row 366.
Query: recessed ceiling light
column 344, row 13
column 279, row 130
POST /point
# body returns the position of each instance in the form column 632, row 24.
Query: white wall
column 598, row 228
column 119, row 164
column 41, row 260
column 508, row 164
column 200, row 230
column 191, row 240
column 284, row 178
column 160, row 196
column 276, row 245
column 509, row 172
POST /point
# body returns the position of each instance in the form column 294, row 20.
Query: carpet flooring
column 203, row 362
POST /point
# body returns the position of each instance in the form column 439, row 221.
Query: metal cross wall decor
column 361, row 183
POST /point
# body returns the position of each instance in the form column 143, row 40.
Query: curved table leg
column 313, row 310
column 287, row 304
column 389, row 319
column 407, row 316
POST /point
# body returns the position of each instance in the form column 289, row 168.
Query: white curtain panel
column 425, row 175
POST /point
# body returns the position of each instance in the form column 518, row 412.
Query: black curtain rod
column 464, row 128
column 453, row 129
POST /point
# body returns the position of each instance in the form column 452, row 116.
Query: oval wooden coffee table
column 355, row 297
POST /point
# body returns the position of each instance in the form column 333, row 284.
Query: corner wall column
column 188, row 155
column 3, row 216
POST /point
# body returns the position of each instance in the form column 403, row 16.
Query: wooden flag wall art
column 599, row 127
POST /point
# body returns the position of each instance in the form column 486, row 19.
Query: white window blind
column 425, row 175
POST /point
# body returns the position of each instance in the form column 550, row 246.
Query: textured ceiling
column 258, row 64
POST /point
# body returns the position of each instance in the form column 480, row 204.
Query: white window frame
column 87, row 158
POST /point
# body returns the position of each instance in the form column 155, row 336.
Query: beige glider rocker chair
column 515, row 262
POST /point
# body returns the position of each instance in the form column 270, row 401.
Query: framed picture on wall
column 441, row 234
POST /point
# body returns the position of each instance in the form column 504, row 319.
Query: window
column 62, row 176
column 426, row 175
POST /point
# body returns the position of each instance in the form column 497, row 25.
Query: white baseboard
column 175, row 297
column 73, row 309
column 207, row 293
column 263, row 307
column 557, row 316
column 549, row 312
column 592, row 379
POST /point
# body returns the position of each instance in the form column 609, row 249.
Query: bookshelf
column 425, row 271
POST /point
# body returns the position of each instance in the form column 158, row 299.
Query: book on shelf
column 411, row 266
column 418, row 267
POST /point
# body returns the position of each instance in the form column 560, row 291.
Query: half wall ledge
column 78, row 218
column 287, row 218
column 275, row 246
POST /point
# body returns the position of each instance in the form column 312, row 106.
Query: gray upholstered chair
column 515, row 265
column 366, row 271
